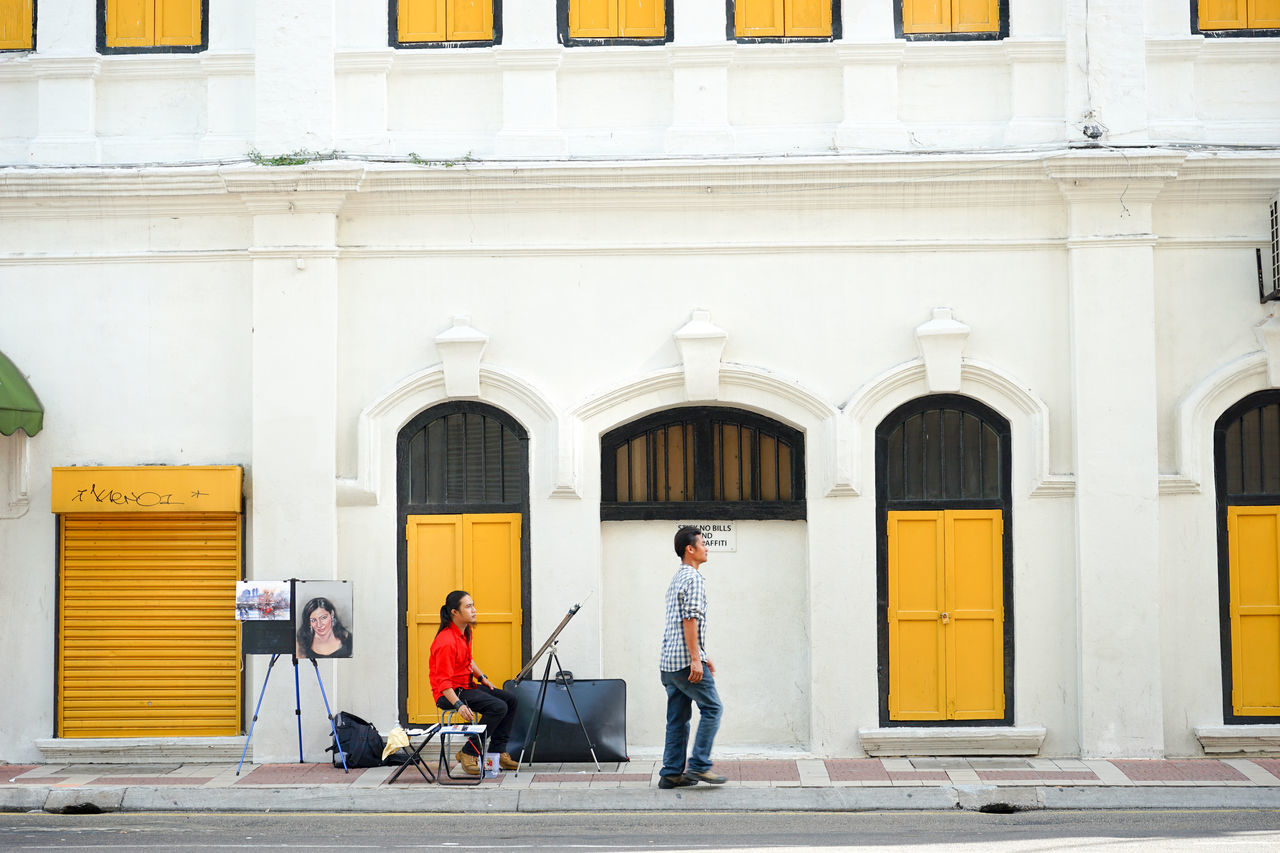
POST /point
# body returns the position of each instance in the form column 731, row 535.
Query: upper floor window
column 951, row 19
column 17, row 25
column 445, row 23
column 703, row 463
column 774, row 20
column 1236, row 17
column 599, row 22
column 153, row 26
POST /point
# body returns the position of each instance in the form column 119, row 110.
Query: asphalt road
column 1198, row 830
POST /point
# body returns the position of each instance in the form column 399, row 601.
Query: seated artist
column 452, row 670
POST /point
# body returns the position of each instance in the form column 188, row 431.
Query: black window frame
column 562, row 30
column 731, row 28
column 167, row 48
column 884, row 504
column 1224, row 499
column 393, row 32
column 35, row 19
column 405, row 508
column 1244, row 32
column 702, row 507
column 998, row 35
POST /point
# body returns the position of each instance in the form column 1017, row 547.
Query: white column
column 530, row 104
column 1111, row 299
column 293, row 74
column 67, row 110
column 871, row 97
column 1112, row 49
column 292, row 476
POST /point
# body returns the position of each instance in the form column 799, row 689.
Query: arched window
column 704, row 462
column 1246, row 445
column 944, row 593
column 465, row 453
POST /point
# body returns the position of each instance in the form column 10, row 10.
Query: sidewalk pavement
column 754, row 784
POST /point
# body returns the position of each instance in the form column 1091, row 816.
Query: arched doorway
column 462, row 493
column 944, row 605
column 1246, row 450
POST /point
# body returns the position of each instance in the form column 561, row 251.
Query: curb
column 143, row 798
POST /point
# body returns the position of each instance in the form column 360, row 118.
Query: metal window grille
column 944, row 454
column 465, row 458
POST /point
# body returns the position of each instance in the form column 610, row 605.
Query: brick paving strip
column 1173, row 770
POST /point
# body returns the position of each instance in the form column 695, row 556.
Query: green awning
column 20, row 408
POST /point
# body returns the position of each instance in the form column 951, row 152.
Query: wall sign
column 147, row 488
column 717, row 535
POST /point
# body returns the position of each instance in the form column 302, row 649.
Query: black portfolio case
column 602, row 702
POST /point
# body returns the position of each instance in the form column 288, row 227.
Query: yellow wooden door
column 148, row 644
column 1253, row 536
column 481, row 554
column 593, row 19
column 642, row 19
column 975, row 607
column 759, row 18
column 917, row 650
column 946, row 615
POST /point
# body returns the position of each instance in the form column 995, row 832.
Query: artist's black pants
column 497, row 709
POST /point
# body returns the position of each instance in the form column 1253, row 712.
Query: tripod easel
column 297, row 710
column 535, row 722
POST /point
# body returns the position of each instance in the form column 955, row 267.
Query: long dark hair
column 452, row 602
column 306, row 635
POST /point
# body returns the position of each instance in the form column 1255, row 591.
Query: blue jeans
column 681, row 694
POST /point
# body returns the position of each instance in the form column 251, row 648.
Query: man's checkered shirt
column 686, row 599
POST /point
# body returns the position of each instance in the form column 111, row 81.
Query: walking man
column 687, row 672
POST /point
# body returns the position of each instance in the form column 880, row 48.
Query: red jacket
column 450, row 662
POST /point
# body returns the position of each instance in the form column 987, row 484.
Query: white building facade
column 958, row 340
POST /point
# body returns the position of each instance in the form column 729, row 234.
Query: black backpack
column 360, row 742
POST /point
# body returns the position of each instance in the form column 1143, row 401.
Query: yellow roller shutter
column 148, row 644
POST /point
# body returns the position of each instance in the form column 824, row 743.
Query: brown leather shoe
column 506, row 762
column 470, row 764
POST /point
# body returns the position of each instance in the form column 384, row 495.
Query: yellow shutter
column 491, row 573
column 434, row 570
column 759, row 18
column 593, row 19
column 1253, row 535
column 642, row 19
column 926, row 16
column 975, row 16
column 1264, row 14
column 808, row 18
column 421, row 20
column 15, row 25
column 130, row 23
column 1223, row 14
column 470, row 20
column 148, row 643
column 177, row 22
column 975, row 606
column 481, row 554
column 917, row 654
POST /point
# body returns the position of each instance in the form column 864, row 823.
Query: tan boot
column 506, row 762
column 470, row 764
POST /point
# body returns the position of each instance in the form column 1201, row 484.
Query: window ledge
column 1238, row 740
column 141, row 750
column 957, row 740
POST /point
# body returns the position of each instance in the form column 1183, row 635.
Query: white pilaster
column 293, row 75
column 1112, row 304
column 700, row 111
column 871, row 97
column 67, row 121
column 530, row 104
